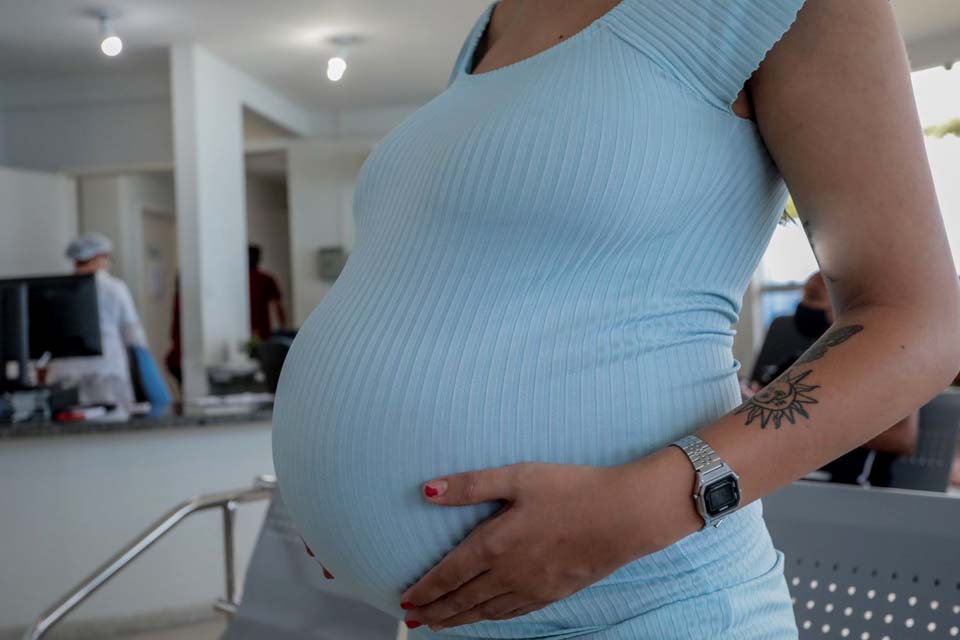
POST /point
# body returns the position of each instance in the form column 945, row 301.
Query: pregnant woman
column 473, row 429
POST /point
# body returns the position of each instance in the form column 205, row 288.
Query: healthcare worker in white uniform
column 103, row 379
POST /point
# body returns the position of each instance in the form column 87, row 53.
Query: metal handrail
column 228, row 501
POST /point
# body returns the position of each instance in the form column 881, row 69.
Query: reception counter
column 74, row 493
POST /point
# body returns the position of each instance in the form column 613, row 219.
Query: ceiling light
column 337, row 65
column 335, row 68
column 111, row 44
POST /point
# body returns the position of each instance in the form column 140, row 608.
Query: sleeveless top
column 548, row 260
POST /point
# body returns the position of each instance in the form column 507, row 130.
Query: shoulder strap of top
column 470, row 43
column 712, row 46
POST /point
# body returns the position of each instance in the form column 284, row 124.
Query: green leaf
column 950, row 127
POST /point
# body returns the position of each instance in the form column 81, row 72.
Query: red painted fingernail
column 412, row 624
column 307, row 547
column 327, row 574
column 407, row 605
column 435, row 488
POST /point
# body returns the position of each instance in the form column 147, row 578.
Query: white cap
column 88, row 246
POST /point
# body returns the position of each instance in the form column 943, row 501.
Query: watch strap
column 702, row 456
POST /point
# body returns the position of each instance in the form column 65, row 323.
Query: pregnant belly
column 361, row 421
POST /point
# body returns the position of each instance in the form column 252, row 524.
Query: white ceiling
column 408, row 50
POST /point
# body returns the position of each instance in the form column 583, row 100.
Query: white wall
column 934, row 51
column 322, row 180
column 371, row 122
column 268, row 226
column 316, row 185
column 89, row 122
column 113, row 205
column 143, row 191
column 38, row 218
column 322, row 176
column 101, row 210
column 71, row 502
column 70, row 138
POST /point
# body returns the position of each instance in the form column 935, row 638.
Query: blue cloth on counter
column 150, row 379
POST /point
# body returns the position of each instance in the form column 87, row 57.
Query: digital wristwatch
column 717, row 489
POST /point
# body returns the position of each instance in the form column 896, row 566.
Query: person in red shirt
column 264, row 295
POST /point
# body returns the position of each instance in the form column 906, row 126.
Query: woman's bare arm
column 900, row 439
column 834, row 105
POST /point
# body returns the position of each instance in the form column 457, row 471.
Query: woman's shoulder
column 713, row 46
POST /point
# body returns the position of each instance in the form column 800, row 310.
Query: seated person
column 871, row 462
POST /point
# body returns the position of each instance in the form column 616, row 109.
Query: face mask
column 810, row 322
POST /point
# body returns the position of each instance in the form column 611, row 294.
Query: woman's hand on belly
column 561, row 528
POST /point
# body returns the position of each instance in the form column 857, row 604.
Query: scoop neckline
column 484, row 22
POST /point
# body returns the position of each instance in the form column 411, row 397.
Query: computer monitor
column 58, row 315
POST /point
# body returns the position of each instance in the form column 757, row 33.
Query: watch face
column 721, row 496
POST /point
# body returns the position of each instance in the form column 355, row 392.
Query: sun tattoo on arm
column 781, row 399
column 785, row 397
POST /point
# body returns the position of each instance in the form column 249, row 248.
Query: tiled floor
column 205, row 631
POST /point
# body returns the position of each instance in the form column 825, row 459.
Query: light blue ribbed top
column 548, row 260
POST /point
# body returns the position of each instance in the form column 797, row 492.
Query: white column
column 211, row 221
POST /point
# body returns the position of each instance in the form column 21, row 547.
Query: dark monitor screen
column 63, row 312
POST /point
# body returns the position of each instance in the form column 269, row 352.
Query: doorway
column 158, row 274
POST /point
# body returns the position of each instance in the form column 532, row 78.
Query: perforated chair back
column 286, row 597
column 869, row 564
column 928, row 469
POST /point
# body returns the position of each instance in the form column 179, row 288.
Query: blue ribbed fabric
column 548, row 260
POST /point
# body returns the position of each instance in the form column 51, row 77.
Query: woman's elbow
column 908, row 435
column 943, row 324
column 950, row 358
